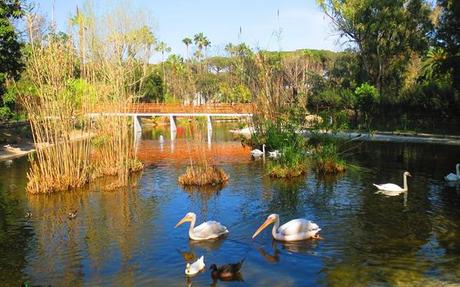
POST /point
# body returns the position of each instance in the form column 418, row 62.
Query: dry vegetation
column 201, row 171
column 68, row 83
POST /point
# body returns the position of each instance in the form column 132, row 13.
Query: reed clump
column 201, row 175
column 102, row 68
column 328, row 160
column 201, row 171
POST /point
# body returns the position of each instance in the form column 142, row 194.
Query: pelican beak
column 183, row 220
column 262, row 227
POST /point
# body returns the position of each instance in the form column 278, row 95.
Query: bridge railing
column 180, row 109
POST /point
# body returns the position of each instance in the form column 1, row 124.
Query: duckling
column 73, row 214
column 195, row 267
column 227, row 272
column 28, row 214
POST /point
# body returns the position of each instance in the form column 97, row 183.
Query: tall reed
column 56, row 119
column 104, row 71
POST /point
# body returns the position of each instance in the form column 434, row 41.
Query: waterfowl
column 452, row 176
column 204, row 231
column 161, row 139
column 294, row 230
column 226, row 272
column 195, row 267
column 72, row 214
column 391, row 189
column 257, row 152
column 274, row 154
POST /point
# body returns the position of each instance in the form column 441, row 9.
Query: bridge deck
column 186, row 110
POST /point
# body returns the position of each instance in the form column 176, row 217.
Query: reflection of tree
column 109, row 224
column 380, row 240
column 15, row 234
column 285, row 195
column 202, row 194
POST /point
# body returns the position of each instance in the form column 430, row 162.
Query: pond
column 127, row 237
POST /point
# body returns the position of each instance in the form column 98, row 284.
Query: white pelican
column 204, row 231
column 294, row 230
column 274, row 154
column 195, row 267
column 257, row 152
column 454, row 177
column 391, row 189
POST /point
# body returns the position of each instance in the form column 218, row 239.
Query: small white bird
column 452, row 176
column 204, row 231
column 274, row 154
column 391, row 189
column 257, row 152
column 195, row 267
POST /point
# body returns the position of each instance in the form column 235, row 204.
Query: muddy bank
column 15, row 140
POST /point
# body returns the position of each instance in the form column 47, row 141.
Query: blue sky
column 302, row 23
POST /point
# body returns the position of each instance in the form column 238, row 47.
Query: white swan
column 204, row 231
column 274, row 154
column 195, row 267
column 257, row 152
column 454, row 177
column 391, row 189
column 294, row 230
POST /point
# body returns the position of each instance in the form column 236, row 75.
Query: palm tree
column 187, row 41
column 163, row 48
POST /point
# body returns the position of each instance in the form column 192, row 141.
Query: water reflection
column 127, row 237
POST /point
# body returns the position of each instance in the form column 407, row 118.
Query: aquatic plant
column 203, row 174
column 328, row 160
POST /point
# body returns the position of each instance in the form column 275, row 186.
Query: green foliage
column 448, row 38
column 153, row 88
column 386, row 33
column 367, row 97
column 328, row 159
column 10, row 50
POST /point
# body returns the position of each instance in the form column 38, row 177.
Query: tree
column 163, row 48
column 386, row 35
column 448, row 38
column 187, row 41
column 10, row 48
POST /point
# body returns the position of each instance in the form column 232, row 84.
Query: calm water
column 127, row 237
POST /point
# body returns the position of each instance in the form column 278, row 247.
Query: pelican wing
column 298, row 226
column 388, row 187
column 209, row 229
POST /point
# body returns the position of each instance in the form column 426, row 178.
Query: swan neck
column 275, row 227
column 457, row 169
column 405, row 183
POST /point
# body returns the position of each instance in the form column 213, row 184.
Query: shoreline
column 380, row 136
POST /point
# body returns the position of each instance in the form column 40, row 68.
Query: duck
column 205, row 231
column 452, row 176
column 72, row 214
column 195, row 267
column 257, row 152
column 226, row 272
column 391, row 189
column 294, row 230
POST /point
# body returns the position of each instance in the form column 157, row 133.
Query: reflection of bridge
column 172, row 111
